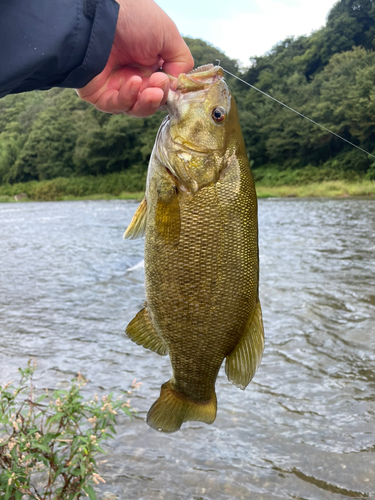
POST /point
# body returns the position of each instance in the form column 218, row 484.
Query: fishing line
column 294, row 111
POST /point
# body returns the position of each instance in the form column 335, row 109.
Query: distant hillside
column 328, row 76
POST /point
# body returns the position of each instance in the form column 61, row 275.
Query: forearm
column 54, row 43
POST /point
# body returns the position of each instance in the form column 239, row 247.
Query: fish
column 199, row 219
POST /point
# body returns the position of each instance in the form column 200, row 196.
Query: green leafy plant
column 371, row 172
column 49, row 442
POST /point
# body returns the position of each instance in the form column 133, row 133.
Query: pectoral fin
column 137, row 227
column 141, row 331
column 243, row 361
column 167, row 219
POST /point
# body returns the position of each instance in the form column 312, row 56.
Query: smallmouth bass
column 199, row 218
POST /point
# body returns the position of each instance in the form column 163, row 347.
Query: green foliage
column 362, row 15
column 50, row 145
column 49, row 442
column 129, row 181
column 329, row 189
column 11, row 144
column 371, row 172
column 270, row 175
column 117, row 145
column 341, row 98
column 327, row 76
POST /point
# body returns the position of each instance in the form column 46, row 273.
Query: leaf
column 8, row 493
column 48, row 437
column 91, row 493
column 45, row 461
column 83, row 469
column 41, row 398
column 98, row 448
column 54, row 418
column 59, row 393
column 58, row 472
column 41, row 447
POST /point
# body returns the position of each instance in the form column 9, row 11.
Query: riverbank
column 103, row 196
column 325, row 189
column 127, row 185
column 121, row 185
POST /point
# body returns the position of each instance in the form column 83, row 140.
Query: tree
column 48, row 150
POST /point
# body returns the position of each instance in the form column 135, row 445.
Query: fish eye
column 218, row 114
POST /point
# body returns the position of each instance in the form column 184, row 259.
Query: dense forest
column 328, row 76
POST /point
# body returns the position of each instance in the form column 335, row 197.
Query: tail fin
column 169, row 412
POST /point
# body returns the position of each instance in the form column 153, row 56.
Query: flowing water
column 303, row 429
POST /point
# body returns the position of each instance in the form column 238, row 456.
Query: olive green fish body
column 201, row 274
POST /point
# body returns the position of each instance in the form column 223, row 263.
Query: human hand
column 146, row 40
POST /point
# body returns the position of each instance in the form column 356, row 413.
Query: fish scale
column 201, row 254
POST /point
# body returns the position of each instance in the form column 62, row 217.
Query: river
column 305, row 426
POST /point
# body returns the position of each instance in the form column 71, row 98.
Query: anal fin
column 137, row 226
column 141, row 331
column 242, row 363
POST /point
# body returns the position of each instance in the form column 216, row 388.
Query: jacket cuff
column 99, row 47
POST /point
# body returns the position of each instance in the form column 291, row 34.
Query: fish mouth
column 186, row 149
column 197, row 79
column 190, row 150
column 192, row 86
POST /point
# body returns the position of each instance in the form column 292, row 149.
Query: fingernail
column 156, row 104
column 134, row 88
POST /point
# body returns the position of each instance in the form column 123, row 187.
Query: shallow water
column 303, row 429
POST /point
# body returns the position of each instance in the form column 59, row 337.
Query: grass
column 124, row 195
column 311, row 181
column 123, row 185
column 7, row 199
column 307, row 182
column 328, row 189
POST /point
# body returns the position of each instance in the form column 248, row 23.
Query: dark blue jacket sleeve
column 54, row 43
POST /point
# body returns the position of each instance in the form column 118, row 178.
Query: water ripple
column 303, row 429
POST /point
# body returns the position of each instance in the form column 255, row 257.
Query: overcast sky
column 246, row 28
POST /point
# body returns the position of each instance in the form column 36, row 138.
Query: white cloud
column 245, row 28
column 249, row 34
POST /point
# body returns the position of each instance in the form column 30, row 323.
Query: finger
column 128, row 94
column 176, row 68
column 157, row 80
column 120, row 100
column 160, row 80
column 176, row 54
column 148, row 102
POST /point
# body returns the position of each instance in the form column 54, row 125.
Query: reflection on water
column 305, row 426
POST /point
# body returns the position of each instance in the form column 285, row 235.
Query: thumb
column 176, row 55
